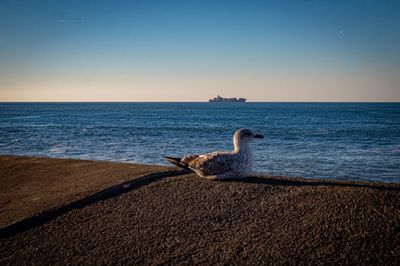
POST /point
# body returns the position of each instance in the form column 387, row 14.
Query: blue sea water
column 356, row 141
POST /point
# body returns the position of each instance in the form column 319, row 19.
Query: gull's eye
column 246, row 133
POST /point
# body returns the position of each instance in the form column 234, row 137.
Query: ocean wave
column 324, row 141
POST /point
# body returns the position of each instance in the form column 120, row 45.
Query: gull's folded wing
column 209, row 164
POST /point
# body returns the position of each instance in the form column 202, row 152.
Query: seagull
column 222, row 165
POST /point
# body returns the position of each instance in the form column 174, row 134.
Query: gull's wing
column 209, row 164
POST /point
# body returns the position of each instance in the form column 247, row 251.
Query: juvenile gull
column 222, row 165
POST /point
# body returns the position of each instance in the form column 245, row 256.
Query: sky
column 173, row 51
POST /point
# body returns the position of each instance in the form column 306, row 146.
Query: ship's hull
column 227, row 101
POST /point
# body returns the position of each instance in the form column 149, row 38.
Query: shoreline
column 169, row 166
column 142, row 217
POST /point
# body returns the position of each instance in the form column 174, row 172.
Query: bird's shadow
column 301, row 183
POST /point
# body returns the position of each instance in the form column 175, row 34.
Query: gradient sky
column 310, row 50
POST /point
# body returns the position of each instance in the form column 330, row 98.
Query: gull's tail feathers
column 178, row 162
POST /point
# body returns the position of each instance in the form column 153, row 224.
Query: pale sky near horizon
column 153, row 50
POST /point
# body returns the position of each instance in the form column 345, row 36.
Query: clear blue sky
column 191, row 50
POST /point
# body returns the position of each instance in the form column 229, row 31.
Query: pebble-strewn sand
column 189, row 220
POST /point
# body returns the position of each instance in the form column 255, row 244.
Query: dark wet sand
column 189, row 220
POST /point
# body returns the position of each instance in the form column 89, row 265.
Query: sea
column 341, row 141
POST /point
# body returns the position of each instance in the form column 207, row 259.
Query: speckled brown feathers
column 221, row 165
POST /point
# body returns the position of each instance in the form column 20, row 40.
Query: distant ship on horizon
column 220, row 99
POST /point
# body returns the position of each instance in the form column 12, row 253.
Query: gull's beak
column 258, row 136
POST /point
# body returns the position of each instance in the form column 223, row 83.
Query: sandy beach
column 95, row 212
column 31, row 185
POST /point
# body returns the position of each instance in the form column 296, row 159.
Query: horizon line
column 2, row 102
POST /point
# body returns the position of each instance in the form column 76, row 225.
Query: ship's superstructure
column 220, row 99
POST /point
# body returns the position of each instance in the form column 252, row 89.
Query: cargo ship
column 220, row 99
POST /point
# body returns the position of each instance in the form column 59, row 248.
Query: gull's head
column 244, row 136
